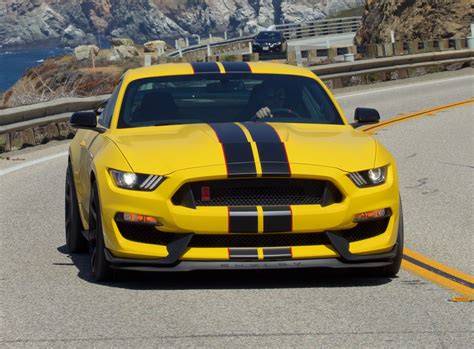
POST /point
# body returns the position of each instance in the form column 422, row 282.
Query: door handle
column 82, row 144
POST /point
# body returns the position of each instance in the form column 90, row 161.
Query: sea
column 13, row 63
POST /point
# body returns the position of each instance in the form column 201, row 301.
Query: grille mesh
column 149, row 235
column 256, row 192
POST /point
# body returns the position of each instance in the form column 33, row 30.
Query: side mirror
column 100, row 108
column 85, row 120
column 366, row 116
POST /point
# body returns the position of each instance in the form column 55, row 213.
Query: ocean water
column 14, row 63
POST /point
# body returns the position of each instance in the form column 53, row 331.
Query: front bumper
column 175, row 251
column 214, row 220
column 269, row 49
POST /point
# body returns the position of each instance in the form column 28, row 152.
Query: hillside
column 74, row 22
column 415, row 19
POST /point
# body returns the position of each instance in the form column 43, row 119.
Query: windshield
column 269, row 36
column 218, row 98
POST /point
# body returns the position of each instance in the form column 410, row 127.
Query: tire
column 100, row 267
column 75, row 241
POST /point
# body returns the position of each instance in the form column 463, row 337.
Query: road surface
column 49, row 300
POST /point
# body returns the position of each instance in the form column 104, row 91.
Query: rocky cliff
column 73, row 22
column 415, row 19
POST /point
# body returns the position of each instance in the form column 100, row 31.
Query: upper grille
column 254, row 192
column 150, row 235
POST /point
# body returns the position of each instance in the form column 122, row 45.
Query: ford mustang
column 230, row 166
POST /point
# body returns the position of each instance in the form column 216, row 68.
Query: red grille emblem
column 205, row 193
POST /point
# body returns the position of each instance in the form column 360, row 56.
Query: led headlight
column 136, row 181
column 374, row 176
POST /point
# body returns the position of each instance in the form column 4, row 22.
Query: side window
column 106, row 116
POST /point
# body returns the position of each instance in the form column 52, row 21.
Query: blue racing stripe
column 236, row 67
column 205, row 67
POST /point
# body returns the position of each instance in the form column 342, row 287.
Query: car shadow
column 228, row 279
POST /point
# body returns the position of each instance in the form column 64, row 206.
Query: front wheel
column 75, row 241
column 100, row 267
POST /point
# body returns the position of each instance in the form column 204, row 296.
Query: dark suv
column 269, row 41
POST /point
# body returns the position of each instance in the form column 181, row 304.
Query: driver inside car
column 270, row 99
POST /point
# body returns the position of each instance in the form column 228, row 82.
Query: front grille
column 150, row 235
column 256, row 192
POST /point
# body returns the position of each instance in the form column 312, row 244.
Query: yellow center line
column 425, row 112
column 415, row 262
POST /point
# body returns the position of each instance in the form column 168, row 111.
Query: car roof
column 177, row 69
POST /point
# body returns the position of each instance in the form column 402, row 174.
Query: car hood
column 165, row 149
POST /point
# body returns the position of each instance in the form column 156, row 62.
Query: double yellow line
column 415, row 262
column 424, row 112
column 438, row 273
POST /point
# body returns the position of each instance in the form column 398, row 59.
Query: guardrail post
column 299, row 58
column 199, row 39
column 147, row 58
column 209, row 53
column 250, row 48
column 470, row 39
column 225, row 35
column 312, row 56
column 241, row 33
column 332, row 53
column 398, row 49
column 186, row 40
column 388, row 50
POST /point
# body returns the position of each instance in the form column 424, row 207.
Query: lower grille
column 150, row 235
column 257, row 192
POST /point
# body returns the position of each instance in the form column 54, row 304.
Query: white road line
column 399, row 87
column 31, row 163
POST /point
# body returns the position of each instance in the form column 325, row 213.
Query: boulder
column 4, row 142
column 85, row 52
column 120, row 53
column 122, row 42
column 21, row 139
column 158, row 46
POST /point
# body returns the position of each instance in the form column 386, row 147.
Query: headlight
column 136, row 181
column 370, row 177
column 276, row 44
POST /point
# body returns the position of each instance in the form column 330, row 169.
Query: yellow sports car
column 229, row 166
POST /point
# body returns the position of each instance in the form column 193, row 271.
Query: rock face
column 157, row 46
column 75, row 22
column 85, row 52
column 415, row 19
column 120, row 53
column 122, row 42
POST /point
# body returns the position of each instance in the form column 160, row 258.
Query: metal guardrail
column 189, row 49
column 41, row 110
column 319, row 27
column 290, row 31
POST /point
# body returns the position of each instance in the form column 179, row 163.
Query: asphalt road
column 48, row 298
